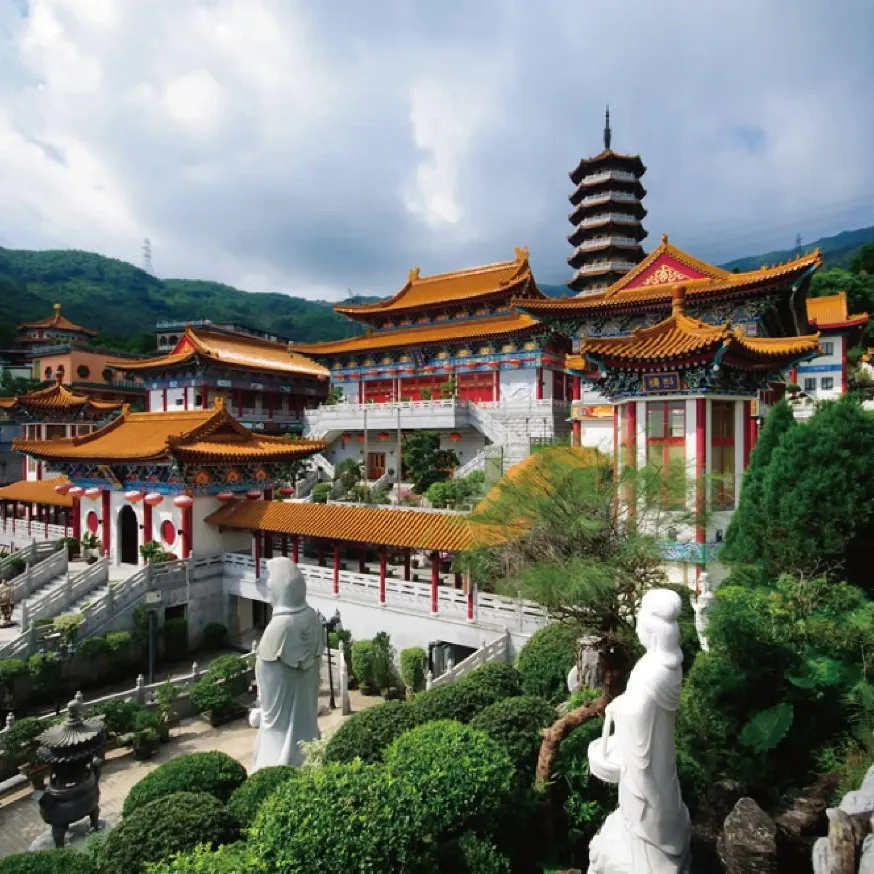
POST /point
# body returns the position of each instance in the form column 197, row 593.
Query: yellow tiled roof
column 679, row 336
column 238, row 350
column 832, row 311
column 413, row 529
column 453, row 287
column 62, row 323
column 41, row 491
column 648, row 284
column 57, row 397
column 201, row 435
column 472, row 329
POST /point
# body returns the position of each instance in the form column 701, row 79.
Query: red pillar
column 576, row 394
column 185, row 398
column 700, row 461
column 321, row 551
column 470, row 599
column 407, row 565
column 257, row 536
column 336, row 569
column 105, row 496
column 295, row 548
column 148, row 402
column 362, row 558
column 187, row 531
column 204, row 397
column 383, row 561
column 616, row 465
column 753, row 428
column 539, row 380
column 77, row 519
column 164, row 400
column 435, row 579
column 268, row 494
column 239, row 402
column 458, row 581
column 747, row 435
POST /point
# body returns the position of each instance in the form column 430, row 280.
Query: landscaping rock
column 801, row 819
column 860, row 800
column 748, row 843
column 707, row 825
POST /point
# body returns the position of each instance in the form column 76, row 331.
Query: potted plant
column 165, row 695
column 18, row 746
column 90, row 547
column 148, row 731
column 793, row 389
column 72, row 545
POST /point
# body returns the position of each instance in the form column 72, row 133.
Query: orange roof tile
column 395, row 527
column 237, row 350
column 41, row 491
column 57, row 397
column 832, row 312
column 201, row 435
column 680, row 336
column 61, row 323
column 456, row 287
column 651, row 281
column 468, row 329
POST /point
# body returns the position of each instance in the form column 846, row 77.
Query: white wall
column 815, row 371
column 598, row 434
column 518, row 385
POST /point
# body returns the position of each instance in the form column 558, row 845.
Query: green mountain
column 837, row 251
column 124, row 303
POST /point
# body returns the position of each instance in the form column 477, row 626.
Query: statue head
column 704, row 584
column 657, row 627
column 286, row 584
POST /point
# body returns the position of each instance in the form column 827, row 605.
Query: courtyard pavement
column 20, row 822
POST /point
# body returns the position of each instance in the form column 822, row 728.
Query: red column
column 470, row 599
column 77, row 519
column 204, row 397
column 106, row 495
column 700, row 461
column 148, row 401
column 747, row 435
column 164, row 400
column 336, row 569
column 66, row 522
column 187, row 531
column 407, row 565
column 268, row 494
column 257, row 537
column 295, row 548
column 616, row 466
column 185, row 398
column 147, row 523
column 284, row 546
column 458, row 581
column 383, row 561
column 362, row 558
column 321, row 551
column 539, row 379
column 239, row 402
column 435, row 579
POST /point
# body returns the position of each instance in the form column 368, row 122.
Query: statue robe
column 287, row 671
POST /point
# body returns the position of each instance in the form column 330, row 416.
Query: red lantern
column 93, row 493
column 347, row 436
column 183, row 501
column 63, row 488
column 495, row 365
column 254, row 494
column 134, row 497
column 286, row 491
column 77, row 491
column 225, row 496
column 455, row 436
column 515, row 362
column 384, row 435
column 361, row 438
column 153, row 499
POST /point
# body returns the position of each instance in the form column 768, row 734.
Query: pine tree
column 744, row 540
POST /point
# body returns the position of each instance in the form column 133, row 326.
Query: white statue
column 649, row 832
column 701, row 604
column 287, row 670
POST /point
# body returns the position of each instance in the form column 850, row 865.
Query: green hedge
column 414, row 664
column 546, row 660
column 458, row 776
column 248, row 797
column 228, row 859
column 458, row 701
column 168, row 825
column 175, row 635
column 214, row 773
column 215, row 635
column 368, row 733
column 497, row 679
column 363, row 666
column 472, row 854
column 48, row 862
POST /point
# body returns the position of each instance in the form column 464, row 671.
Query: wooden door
column 375, row 465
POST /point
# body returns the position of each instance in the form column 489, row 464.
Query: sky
column 315, row 148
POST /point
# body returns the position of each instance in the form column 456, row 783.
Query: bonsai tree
column 215, row 694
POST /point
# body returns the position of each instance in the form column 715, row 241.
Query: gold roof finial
column 57, row 308
column 219, row 402
column 125, row 409
column 59, row 376
column 414, row 274
column 664, row 239
column 521, row 253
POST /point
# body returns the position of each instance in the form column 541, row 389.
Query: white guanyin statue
column 287, row 671
column 701, row 604
column 649, row 832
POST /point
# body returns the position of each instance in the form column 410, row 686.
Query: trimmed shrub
column 337, row 818
column 458, row 776
column 214, row 773
column 414, row 663
column 546, row 660
column 321, row 493
column 497, row 679
column 12, row 670
column 175, row 635
column 168, row 825
column 457, row 701
column 215, row 635
column 363, row 666
column 217, row 690
column 368, row 733
column 515, row 723
column 227, row 859
column 48, row 862
column 92, row 648
column 383, row 661
column 249, row 796
column 472, row 854
column 18, row 744
column 119, row 717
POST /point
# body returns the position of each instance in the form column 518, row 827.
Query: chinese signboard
column 661, row 382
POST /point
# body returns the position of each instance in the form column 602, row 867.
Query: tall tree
column 425, row 462
column 744, row 541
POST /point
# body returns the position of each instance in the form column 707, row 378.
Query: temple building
column 683, row 394
column 445, row 353
column 607, row 217
column 266, row 388
column 147, row 477
column 57, row 328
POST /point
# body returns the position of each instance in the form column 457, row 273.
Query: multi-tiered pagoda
column 607, row 218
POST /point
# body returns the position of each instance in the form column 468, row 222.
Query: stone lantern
column 72, row 752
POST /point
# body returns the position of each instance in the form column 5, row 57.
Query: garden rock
column 748, row 843
column 860, row 800
column 707, row 825
column 801, row 819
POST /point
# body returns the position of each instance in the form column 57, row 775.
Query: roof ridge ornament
column 678, row 300
column 218, row 402
column 414, row 274
column 521, row 253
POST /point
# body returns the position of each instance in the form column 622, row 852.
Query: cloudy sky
column 314, row 147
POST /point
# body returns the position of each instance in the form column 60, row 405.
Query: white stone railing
column 39, row 574
column 496, row 651
column 604, row 217
column 608, row 195
column 31, row 554
column 63, row 597
column 488, row 424
column 323, row 464
column 478, row 462
column 606, row 175
column 598, row 266
column 488, row 610
column 603, row 242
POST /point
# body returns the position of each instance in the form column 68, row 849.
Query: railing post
column 343, row 680
column 33, row 550
column 110, row 599
column 68, row 590
column 140, row 691
column 26, row 581
column 25, row 616
column 195, row 675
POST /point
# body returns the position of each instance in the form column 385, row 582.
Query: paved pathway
column 20, row 822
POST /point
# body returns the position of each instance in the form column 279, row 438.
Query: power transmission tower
column 798, row 244
column 147, row 256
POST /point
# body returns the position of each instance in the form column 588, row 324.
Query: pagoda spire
column 607, row 131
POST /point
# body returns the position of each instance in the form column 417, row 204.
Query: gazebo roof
column 58, row 322
column 57, row 398
column 37, row 491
